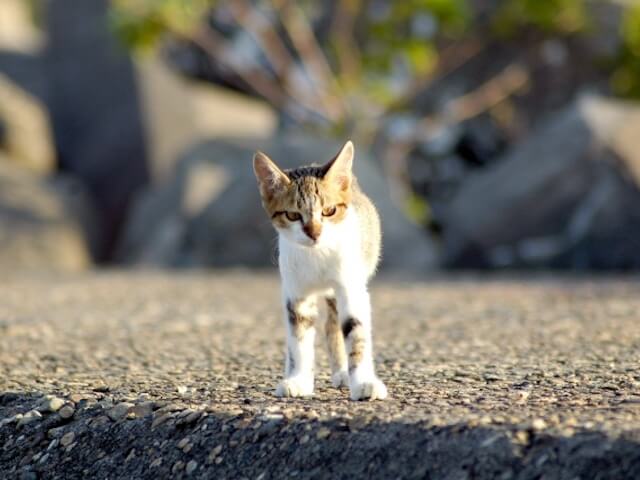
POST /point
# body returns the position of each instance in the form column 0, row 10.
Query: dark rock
column 95, row 108
column 568, row 197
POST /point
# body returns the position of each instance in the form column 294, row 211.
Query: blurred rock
column 26, row 136
column 568, row 197
column 37, row 229
column 179, row 113
column 17, row 31
column 209, row 212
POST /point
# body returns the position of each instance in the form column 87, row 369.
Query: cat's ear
column 270, row 177
column 339, row 169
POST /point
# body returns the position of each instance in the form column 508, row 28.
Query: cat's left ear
column 270, row 178
column 339, row 169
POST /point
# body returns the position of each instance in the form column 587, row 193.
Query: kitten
column 329, row 245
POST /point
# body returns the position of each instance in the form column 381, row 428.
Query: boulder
column 26, row 134
column 209, row 212
column 179, row 113
column 38, row 229
column 568, row 197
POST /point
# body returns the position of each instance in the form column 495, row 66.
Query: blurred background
column 491, row 134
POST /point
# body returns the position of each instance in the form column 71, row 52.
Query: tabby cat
column 329, row 246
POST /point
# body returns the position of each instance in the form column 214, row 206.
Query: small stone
column 485, row 420
column 191, row 466
column 179, row 465
column 182, row 443
column 160, row 419
column 66, row 412
column 215, row 451
column 44, row 458
column 131, row 456
column 55, row 432
column 7, row 421
column 522, row 437
column 181, row 389
column 67, row 439
column 141, row 410
column 538, row 424
column 29, row 417
column 51, row 404
column 323, row 433
column 218, row 460
column 77, row 397
column 119, row 411
column 53, row 444
column 304, row 439
column 192, row 417
column 187, row 448
column 156, row 463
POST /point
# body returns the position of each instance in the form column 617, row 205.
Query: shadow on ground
column 150, row 439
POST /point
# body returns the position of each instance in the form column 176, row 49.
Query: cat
column 329, row 243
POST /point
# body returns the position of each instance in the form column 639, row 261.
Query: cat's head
column 307, row 204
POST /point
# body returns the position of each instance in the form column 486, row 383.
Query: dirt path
column 170, row 375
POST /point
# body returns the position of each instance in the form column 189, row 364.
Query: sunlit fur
column 324, row 257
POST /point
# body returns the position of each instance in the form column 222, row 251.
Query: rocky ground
column 150, row 375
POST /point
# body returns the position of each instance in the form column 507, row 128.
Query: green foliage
column 552, row 16
column 398, row 33
column 625, row 80
column 141, row 23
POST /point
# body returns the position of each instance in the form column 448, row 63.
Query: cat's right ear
column 270, row 177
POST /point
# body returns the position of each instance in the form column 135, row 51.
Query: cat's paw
column 295, row 387
column 368, row 390
column 340, row 379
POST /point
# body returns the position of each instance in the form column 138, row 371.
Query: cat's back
column 369, row 224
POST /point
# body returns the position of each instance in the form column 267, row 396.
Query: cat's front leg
column 300, row 317
column 355, row 312
column 335, row 346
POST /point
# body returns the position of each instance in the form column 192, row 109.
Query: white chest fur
column 336, row 260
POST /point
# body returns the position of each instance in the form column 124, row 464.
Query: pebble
column 66, row 412
column 119, row 411
column 29, row 417
column 55, row 432
column 182, row 443
column 67, row 439
column 522, row 437
column 179, row 465
column 191, row 466
column 156, row 463
column 538, row 424
column 141, row 410
column 323, row 433
column 51, row 404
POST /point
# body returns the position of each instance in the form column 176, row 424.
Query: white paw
column 340, row 379
column 295, row 387
column 368, row 390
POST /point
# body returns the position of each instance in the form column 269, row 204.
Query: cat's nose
column 312, row 230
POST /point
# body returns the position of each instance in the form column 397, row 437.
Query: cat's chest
column 306, row 269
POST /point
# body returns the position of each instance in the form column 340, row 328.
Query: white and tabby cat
column 329, row 247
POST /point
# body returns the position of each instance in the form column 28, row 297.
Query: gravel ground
column 152, row 375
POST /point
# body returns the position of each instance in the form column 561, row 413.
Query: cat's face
column 307, row 204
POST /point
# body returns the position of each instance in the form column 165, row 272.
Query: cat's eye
column 329, row 211
column 293, row 216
